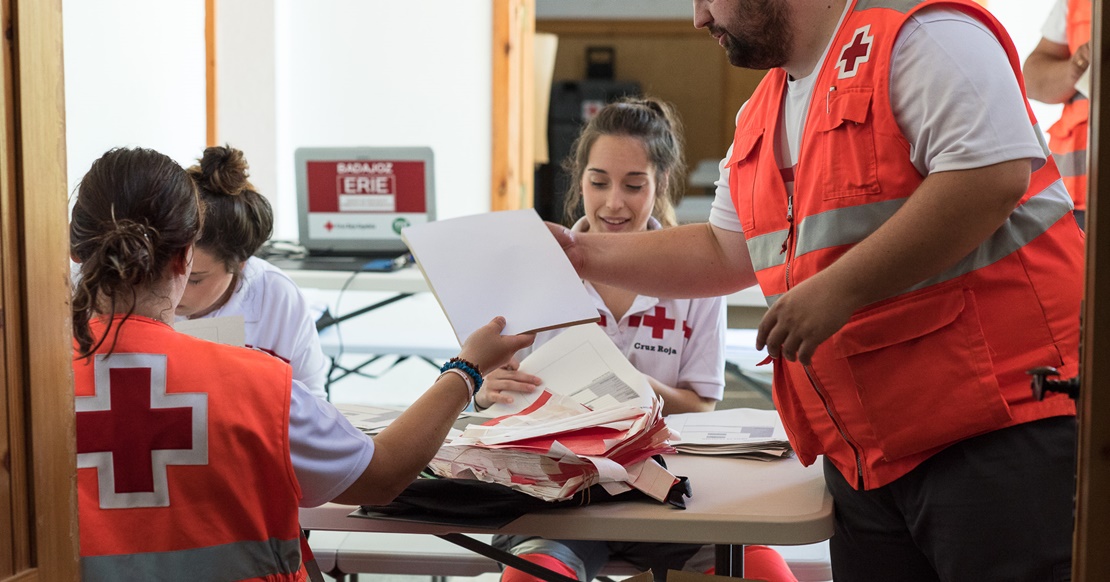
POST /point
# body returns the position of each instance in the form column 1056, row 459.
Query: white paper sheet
column 583, row 364
column 499, row 263
column 229, row 329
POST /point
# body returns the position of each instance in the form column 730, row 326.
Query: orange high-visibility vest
column 945, row 359
column 1068, row 136
column 183, row 459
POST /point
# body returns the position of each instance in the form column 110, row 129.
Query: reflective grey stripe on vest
column 1072, row 164
column 234, row 561
column 846, row 226
column 902, row 6
column 765, row 250
column 1026, row 223
column 843, row 226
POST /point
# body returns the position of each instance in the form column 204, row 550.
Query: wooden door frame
column 1092, row 528
column 512, row 159
column 34, row 299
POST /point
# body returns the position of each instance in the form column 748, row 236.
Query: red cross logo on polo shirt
column 658, row 322
column 855, row 53
column 130, row 430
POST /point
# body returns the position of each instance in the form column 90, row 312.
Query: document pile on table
column 738, row 432
column 595, row 419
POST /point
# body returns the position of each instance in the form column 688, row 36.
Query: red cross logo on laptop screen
column 130, row 430
column 855, row 53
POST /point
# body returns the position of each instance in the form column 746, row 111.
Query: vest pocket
column 923, row 372
column 848, row 161
column 742, row 166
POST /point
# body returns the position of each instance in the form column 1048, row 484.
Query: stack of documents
column 595, row 419
column 738, row 432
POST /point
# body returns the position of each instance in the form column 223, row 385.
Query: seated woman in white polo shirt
column 228, row 280
column 626, row 172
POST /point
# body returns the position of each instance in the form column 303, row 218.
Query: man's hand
column 565, row 238
column 802, row 319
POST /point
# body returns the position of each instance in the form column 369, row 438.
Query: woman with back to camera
column 228, row 280
column 193, row 456
column 626, row 173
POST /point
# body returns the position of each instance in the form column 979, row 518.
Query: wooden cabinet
column 671, row 60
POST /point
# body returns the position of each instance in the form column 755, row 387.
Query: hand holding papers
column 594, row 420
column 584, row 365
column 499, row 263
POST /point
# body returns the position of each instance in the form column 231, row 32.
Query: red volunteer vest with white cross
column 944, row 360
column 183, row 459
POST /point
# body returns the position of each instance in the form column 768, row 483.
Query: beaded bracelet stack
column 467, row 370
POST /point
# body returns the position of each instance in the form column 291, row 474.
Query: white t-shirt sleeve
column 722, row 213
column 286, row 327
column 703, row 358
column 954, row 98
column 328, row 454
column 1055, row 26
column 958, row 124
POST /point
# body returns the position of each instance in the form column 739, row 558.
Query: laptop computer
column 352, row 203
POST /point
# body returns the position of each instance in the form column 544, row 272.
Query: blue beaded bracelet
column 470, row 370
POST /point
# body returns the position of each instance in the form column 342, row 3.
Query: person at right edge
column 1052, row 71
column 888, row 189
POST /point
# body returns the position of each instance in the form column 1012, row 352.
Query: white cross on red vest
column 130, row 430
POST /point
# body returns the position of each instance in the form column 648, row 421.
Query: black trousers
column 999, row 506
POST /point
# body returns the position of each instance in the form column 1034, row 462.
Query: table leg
column 730, row 560
column 504, row 557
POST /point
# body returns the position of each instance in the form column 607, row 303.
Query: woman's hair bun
column 129, row 249
column 222, row 170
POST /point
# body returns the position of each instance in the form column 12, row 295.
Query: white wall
column 356, row 72
column 322, row 73
column 290, row 73
column 250, row 48
column 1023, row 20
column 134, row 76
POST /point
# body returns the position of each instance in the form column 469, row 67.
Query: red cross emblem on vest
column 855, row 53
column 130, row 430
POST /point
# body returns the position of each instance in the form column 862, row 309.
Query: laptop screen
column 356, row 200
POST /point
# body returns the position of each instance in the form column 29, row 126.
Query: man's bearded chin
column 747, row 56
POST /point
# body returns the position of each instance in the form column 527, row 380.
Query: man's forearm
column 693, row 260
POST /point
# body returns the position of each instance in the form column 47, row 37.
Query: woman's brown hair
column 136, row 209
column 653, row 122
column 237, row 219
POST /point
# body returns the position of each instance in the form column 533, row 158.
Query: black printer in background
column 573, row 103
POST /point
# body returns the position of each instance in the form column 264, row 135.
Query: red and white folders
column 595, row 419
